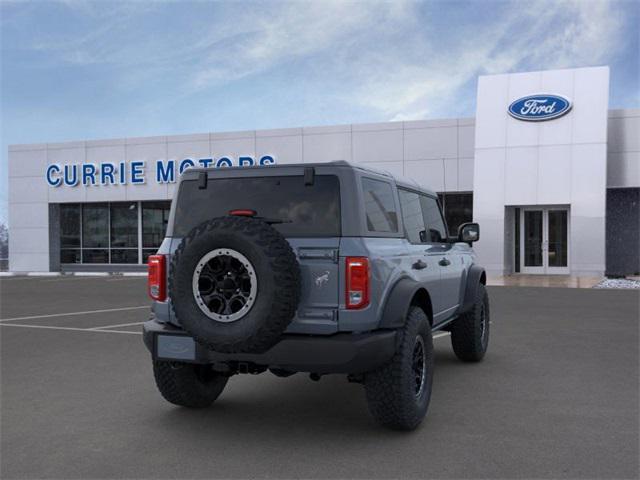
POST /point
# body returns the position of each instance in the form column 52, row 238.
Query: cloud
column 398, row 59
column 525, row 36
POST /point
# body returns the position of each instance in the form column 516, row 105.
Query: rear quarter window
column 305, row 210
column 379, row 206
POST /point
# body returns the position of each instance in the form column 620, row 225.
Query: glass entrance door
column 544, row 241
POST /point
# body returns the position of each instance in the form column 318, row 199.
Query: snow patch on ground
column 618, row 283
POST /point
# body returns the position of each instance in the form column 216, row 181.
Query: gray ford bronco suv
column 319, row 268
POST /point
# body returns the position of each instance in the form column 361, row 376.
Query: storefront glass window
column 69, row 226
column 155, row 216
column 458, row 209
column 95, row 225
column 124, row 232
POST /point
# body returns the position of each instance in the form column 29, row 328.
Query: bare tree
column 4, row 241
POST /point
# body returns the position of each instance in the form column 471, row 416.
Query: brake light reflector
column 241, row 212
column 157, row 277
column 357, row 285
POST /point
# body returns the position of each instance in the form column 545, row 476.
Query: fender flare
column 475, row 277
column 396, row 308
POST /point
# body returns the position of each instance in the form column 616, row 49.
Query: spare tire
column 235, row 284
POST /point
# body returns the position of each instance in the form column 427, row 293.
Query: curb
column 73, row 274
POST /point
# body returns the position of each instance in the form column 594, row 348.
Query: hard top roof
column 400, row 181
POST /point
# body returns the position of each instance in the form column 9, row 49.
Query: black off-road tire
column 391, row 390
column 188, row 385
column 470, row 331
column 278, row 279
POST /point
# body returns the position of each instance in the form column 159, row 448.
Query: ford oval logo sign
column 536, row 108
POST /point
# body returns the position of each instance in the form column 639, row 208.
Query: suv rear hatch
column 304, row 208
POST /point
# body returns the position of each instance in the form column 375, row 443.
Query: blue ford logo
column 536, row 108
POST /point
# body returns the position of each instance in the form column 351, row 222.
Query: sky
column 76, row 70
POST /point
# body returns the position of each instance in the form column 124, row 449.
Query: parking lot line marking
column 441, row 334
column 119, row 325
column 122, row 279
column 74, row 329
column 70, row 314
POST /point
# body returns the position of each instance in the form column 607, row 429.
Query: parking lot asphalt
column 556, row 397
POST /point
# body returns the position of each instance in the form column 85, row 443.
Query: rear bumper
column 339, row 353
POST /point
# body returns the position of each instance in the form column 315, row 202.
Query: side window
column 436, row 231
column 412, row 215
column 379, row 206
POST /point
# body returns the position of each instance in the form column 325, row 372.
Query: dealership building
column 548, row 170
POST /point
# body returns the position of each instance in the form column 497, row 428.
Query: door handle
column 419, row 265
column 444, row 261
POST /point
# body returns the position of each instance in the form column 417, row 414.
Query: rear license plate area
column 175, row 347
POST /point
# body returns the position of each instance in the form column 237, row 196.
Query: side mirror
column 469, row 232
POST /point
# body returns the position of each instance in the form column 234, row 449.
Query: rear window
column 307, row 210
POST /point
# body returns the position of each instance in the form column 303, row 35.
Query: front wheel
column 470, row 331
column 398, row 394
column 188, row 385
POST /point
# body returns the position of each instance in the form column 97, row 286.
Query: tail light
column 357, row 288
column 157, row 278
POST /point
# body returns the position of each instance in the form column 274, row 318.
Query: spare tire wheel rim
column 225, row 285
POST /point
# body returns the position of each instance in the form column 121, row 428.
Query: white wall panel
column 29, row 240
column 234, row 147
column 493, row 95
column 431, row 143
column 488, row 183
column 28, row 189
column 623, row 169
column 554, row 175
column 558, row 131
column 588, row 180
column 428, row 173
column 624, row 134
column 27, row 163
column 29, row 262
column 591, row 104
column 466, row 141
column 327, row 147
column 377, row 146
column 465, row 174
column 28, row 215
column 521, row 176
column 287, row 149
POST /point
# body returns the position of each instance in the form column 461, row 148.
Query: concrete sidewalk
column 555, row 281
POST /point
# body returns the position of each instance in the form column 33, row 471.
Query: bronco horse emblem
column 324, row 278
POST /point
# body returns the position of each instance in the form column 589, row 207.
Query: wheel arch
column 405, row 293
column 476, row 276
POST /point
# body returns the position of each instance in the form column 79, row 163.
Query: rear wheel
column 398, row 394
column 470, row 332
column 188, row 385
